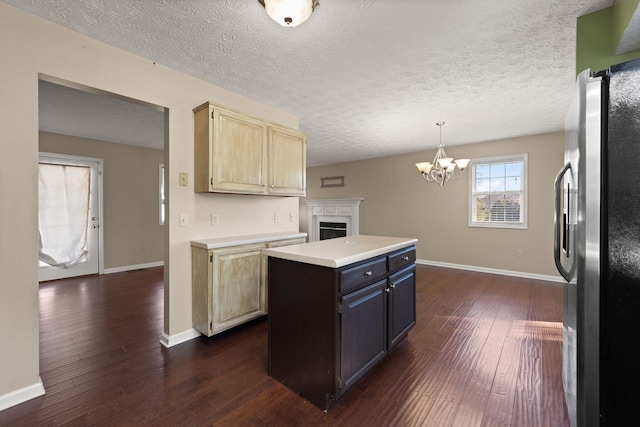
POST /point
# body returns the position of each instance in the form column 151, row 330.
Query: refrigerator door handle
column 558, row 223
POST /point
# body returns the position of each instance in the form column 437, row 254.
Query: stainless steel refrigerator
column 597, row 248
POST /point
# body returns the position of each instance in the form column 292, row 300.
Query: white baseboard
column 21, row 395
column 171, row 340
column 133, row 267
column 491, row 270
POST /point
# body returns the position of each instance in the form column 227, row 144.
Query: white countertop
column 223, row 242
column 342, row 251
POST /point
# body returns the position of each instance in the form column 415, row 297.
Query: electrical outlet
column 183, row 179
column 145, row 248
column 292, row 217
column 520, row 253
column 276, row 217
column 215, row 219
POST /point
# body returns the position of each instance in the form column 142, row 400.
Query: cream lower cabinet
column 236, row 153
column 229, row 285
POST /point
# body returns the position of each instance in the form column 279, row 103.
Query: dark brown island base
column 336, row 308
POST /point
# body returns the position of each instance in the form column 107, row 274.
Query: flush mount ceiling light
column 289, row 13
column 443, row 168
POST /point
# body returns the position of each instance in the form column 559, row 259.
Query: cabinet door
column 238, row 286
column 239, row 153
column 287, row 162
column 363, row 332
column 402, row 304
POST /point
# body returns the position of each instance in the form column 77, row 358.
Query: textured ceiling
column 93, row 115
column 631, row 37
column 367, row 78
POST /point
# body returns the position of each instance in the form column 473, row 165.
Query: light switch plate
column 184, row 219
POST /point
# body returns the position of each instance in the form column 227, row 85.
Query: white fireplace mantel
column 343, row 210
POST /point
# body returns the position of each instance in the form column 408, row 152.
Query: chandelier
column 443, row 168
column 289, row 13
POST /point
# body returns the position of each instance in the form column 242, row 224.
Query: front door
column 68, row 216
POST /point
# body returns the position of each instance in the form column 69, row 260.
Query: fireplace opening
column 332, row 230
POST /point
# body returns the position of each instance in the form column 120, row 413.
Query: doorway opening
column 129, row 136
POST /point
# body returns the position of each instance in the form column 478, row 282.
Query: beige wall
column 398, row 202
column 30, row 46
column 130, row 197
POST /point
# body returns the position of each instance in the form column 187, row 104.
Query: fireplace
column 331, row 218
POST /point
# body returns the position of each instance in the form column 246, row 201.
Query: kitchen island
column 336, row 308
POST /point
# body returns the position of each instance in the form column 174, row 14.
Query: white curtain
column 63, row 213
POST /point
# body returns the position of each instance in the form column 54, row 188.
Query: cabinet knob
column 405, row 258
column 272, row 186
column 368, row 273
column 387, row 290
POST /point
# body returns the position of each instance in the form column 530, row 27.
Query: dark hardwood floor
column 485, row 352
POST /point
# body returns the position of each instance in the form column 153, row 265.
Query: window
column 498, row 196
column 161, row 193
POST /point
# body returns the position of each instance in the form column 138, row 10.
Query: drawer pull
column 405, row 258
column 368, row 273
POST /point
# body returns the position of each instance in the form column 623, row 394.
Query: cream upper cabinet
column 236, row 153
column 230, row 151
column 287, row 162
column 239, row 154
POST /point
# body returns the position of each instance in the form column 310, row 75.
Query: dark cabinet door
column 363, row 332
column 402, row 304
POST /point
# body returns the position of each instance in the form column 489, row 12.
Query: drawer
column 402, row 258
column 355, row 277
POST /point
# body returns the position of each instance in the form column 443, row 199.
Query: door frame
column 70, row 159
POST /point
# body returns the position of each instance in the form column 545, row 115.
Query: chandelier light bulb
column 462, row 163
column 445, row 162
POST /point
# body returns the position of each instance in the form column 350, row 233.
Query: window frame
column 524, row 193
